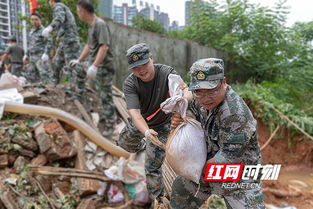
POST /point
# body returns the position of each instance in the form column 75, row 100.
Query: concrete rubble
column 45, row 163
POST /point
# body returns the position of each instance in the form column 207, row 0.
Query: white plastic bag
column 129, row 171
column 186, row 149
column 114, row 194
column 8, row 80
column 9, row 95
column 138, row 191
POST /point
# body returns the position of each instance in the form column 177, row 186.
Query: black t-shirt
column 147, row 96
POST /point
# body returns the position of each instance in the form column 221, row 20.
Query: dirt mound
column 295, row 154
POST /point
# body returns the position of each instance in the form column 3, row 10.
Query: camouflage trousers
column 66, row 52
column 189, row 195
column 17, row 69
column 103, row 86
column 39, row 71
column 132, row 140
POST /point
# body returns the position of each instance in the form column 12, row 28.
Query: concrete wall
column 177, row 53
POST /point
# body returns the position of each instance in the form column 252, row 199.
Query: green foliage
column 45, row 11
column 141, row 22
column 67, row 202
column 253, row 36
column 264, row 97
column 215, row 202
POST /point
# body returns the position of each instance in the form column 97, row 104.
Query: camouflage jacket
column 64, row 23
column 38, row 44
column 230, row 130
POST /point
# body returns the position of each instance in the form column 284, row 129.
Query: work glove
column 46, row 32
column 25, row 58
column 44, row 57
column 92, row 72
column 151, row 135
column 73, row 62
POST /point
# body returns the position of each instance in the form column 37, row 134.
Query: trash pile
column 47, row 163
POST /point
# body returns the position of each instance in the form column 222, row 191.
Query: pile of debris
column 47, row 163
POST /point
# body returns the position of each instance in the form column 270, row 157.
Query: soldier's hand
column 46, row 32
column 92, row 72
column 176, row 120
column 73, row 62
column 25, row 58
column 151, row 135
column 44, row 57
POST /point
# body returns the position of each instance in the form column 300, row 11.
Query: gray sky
column 300, row 10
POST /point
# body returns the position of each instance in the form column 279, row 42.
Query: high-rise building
column 188, row 5
column 5, row 26
column 123, row 14
column 154, row 14
column 11, row 23
column 174, row 26
column 106, row 8
column 163, row 19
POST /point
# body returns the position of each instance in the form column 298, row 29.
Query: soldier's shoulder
column 59, row 5
column 164, row 68
column 100, row 21
column 131, row 79
column 234, row 107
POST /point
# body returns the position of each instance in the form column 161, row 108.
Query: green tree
column 141, row 22
column 251, row 35
column 45, row 11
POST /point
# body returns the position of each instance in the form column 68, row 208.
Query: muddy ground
column 295, row 154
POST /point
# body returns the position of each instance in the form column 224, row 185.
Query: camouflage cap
column 137, row 55
column 206, row 73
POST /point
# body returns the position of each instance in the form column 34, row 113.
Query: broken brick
column 27, row 153
column 4, row 161
column 20, row 164
column 26, row 141
column 40, row 160
column 55, row 146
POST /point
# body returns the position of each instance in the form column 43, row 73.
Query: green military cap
column 206, row 73
column 137, row 55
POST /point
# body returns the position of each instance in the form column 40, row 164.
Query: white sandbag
column 186, row 149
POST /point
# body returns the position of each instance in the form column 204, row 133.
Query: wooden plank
column 56, row 171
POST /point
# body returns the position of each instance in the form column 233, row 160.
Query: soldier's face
column 211, row 98
column 145, row 72
column 80, row 13
column 35, row 21
column 51, row 3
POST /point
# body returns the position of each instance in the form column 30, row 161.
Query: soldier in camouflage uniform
column 145, row 89
column 68, row 47
column 100, row 71
column 38, row 53
column 16, row 54
column 231, row 138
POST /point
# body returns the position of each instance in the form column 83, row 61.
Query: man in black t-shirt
column 145, row 89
